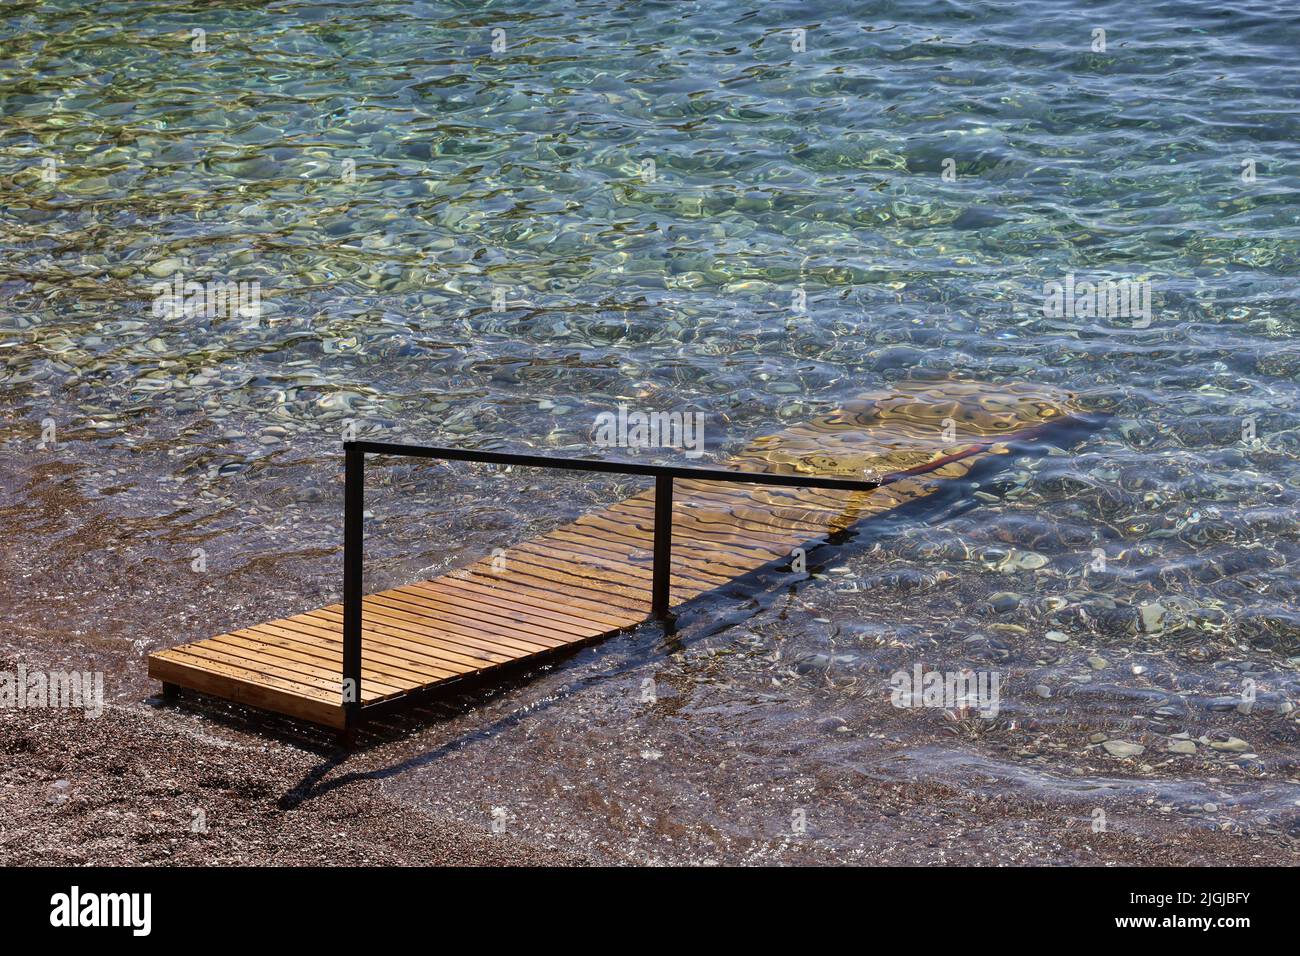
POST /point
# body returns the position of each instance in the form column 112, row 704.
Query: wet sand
column 151, row 785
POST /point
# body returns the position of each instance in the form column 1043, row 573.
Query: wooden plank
column 633, row 567
column 516, row 611
column 470, row 631
column 520, row 590
column 450, row 647
column 494, row 620
column 519, row 597
column 320, row 660
column 326, row 646
column 417, row 649
column 585, row 594
column 251, row 693
column 222, row 660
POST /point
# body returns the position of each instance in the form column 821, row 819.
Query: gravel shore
column 141, row 786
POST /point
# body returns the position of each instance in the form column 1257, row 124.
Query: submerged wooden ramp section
column 592, row 578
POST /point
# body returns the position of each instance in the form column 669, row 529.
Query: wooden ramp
column 591, row 578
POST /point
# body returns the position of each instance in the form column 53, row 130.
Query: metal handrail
column 354, row 508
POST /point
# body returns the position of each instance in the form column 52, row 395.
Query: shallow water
column 644, row 189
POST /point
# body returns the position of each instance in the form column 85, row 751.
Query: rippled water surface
column 645, row 189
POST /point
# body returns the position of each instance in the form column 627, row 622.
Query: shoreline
column 118, row 790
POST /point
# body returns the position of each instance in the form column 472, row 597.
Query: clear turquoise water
column 774, row 170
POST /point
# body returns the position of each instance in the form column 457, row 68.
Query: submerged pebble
column 1123, row 748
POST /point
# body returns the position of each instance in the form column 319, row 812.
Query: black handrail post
column 663, row 559
column 354, row 506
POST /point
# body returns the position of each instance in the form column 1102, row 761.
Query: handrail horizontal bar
column 615, row 467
